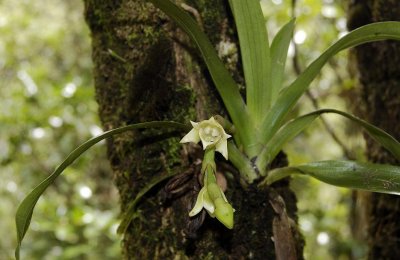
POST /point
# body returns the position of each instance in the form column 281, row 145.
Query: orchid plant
column 257, row 125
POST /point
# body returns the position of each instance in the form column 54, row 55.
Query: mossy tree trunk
column 379, row 77
column 146, row 69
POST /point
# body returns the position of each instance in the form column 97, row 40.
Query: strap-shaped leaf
column 224, row 83
column 295, row 126
column 254, row 48
column 289, row 96
column 355, row 175
column 279, row 50
column 242, row 163
column 25, row 209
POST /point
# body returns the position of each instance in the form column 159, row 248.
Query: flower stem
column 208, row 160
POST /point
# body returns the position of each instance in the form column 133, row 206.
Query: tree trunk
column 379, row 78
column 146, row 69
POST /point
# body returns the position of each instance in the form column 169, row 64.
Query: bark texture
column 379, row 77
column 146, row 69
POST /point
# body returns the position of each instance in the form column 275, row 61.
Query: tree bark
column 146, row 69
column 379, row 79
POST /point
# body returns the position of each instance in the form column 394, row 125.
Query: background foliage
column 47, row 108
column 325, row 211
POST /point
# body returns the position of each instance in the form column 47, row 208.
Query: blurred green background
column 48, row 108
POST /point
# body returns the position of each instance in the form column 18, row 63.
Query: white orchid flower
column 210, row 133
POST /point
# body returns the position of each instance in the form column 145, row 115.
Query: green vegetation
column 48, row 108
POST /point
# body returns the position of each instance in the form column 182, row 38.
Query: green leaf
column 295, row 126
column 289, row 96
column 242, row 163
column 25, row 209
column 279, row 51
column 254, row 48
column 131, row 212
column 355, row 175
column 224, row 83
column 285, row 134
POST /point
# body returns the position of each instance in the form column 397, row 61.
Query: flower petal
column 208, row 204
column 222, row 147
column 193, row 136
column 213, row 121
column 194, row 124
column 199, row 203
